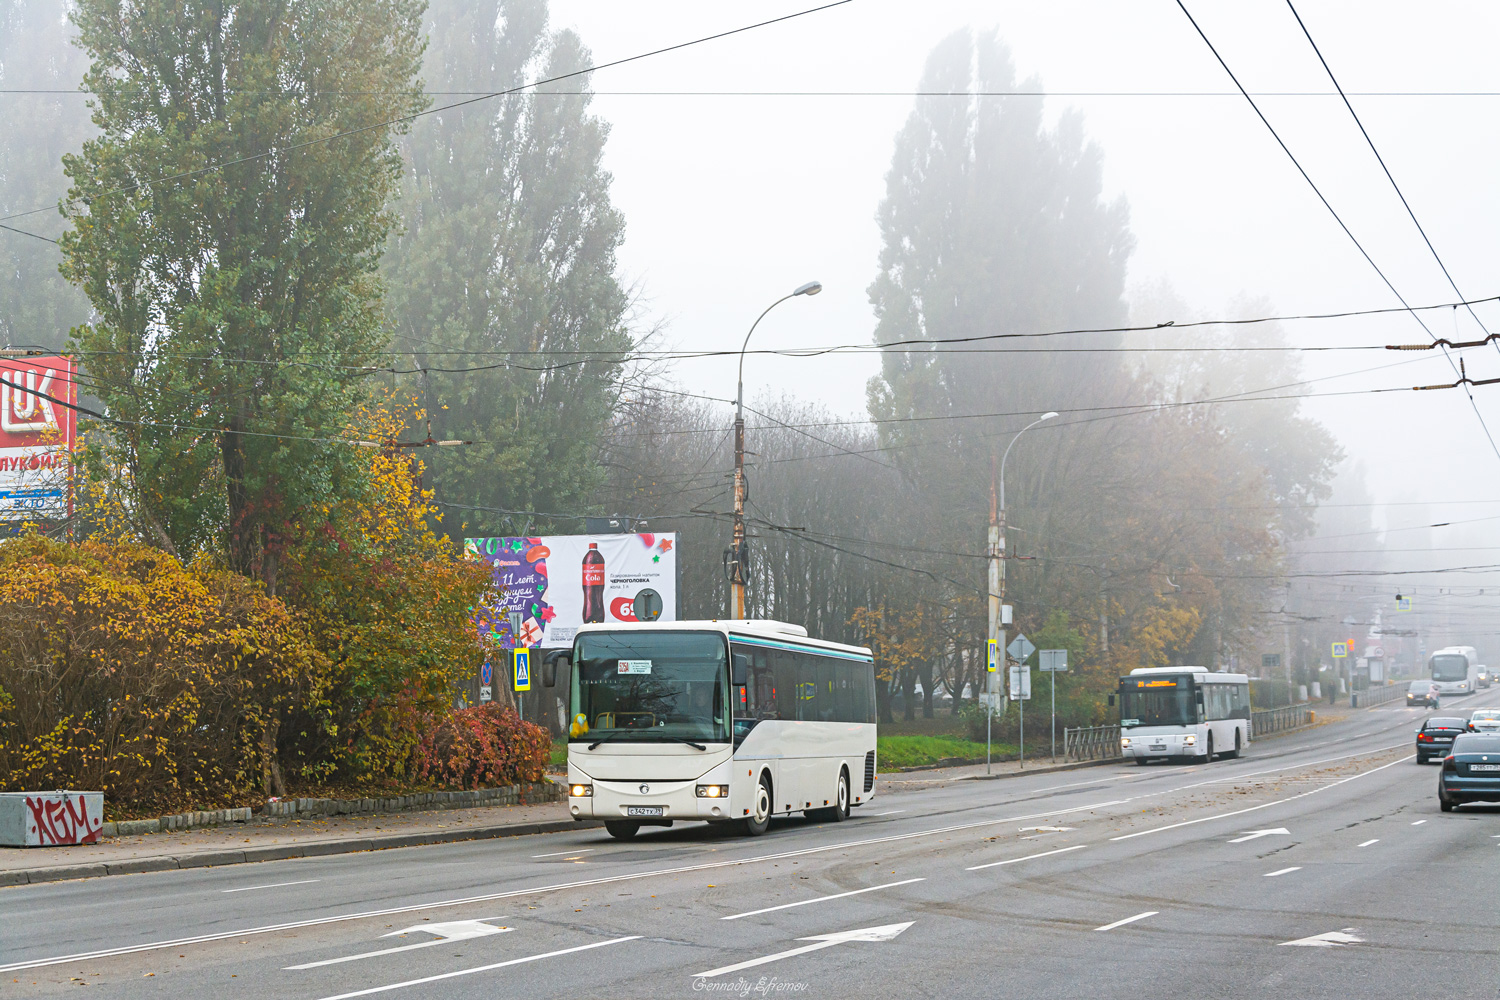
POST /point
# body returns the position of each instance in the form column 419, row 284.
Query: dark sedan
column 1471, row 772
column 1435, row 738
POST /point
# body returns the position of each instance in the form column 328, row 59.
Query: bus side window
column 788, row 695
column 763, row 682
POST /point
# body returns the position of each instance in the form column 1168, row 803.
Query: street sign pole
column 1021, row 649
column 1053, row 661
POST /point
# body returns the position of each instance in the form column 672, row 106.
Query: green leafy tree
column 506, row 267
column 37, row 305
column 228, row 233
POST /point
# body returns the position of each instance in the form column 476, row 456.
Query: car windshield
column 1474, row 743
column 651, row 686
column 1419, row 687
column 1157, row 701
column 1446, row 723
column 1450, row 667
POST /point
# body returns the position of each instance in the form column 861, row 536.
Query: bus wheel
column 621, row 829
column 1209, row 747
column 840, row 810
column 1235, row 755
column 760, row 813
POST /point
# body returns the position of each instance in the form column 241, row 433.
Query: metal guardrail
column 1091, row 743
column 1376, row 695
column 1279, row 720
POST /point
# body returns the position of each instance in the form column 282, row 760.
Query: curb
column 282, row 852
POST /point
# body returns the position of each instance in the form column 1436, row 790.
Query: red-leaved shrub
column 482, row 746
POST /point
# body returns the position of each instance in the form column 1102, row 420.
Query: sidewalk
column 274, row 840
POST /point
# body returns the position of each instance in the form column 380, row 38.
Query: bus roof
column 763, row 628
column 1204, row 671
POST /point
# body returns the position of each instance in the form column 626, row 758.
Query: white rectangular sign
column 1020, row 683
column 1054, row 661
column 635, row 666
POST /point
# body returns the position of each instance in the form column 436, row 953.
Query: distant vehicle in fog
column 1484, row 720
column 1455, row 669
column 1423, row 692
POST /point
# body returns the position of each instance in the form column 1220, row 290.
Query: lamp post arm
column 1008, row 447
column 739, row 395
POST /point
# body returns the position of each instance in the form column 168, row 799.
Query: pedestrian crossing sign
column 1340, row 650
column 523, row 669
column 994, row 662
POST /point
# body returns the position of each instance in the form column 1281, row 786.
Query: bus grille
column 869, row 771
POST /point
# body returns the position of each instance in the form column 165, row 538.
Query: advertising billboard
column 37, row 434
column 559, row 582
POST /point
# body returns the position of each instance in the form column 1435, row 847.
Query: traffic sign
column 1403, row 604
column 1270, row 659
column 523, row 669
column 486, row 673
column 1020, row 683
column 1054, row 661
column 1340, row 650
column 1020, row 647
column 994, row 660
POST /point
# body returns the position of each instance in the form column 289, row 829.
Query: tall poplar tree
column 505, row 269
column 227, row 227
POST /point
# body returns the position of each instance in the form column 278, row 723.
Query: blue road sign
column 486, row 674
column 523, row 669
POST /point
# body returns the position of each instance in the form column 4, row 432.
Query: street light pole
column 735, row 560
column 996, row 555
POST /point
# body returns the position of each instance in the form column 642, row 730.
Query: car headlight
column 713, row 791
column 581, row 791
column 1188, row 741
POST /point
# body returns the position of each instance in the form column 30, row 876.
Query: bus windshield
column 651, row 686
column 1450, row 668
column 1157, row 702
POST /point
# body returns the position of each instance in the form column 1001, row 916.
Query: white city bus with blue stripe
column 728, row 722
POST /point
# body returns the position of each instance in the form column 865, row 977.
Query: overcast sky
column 732, row 201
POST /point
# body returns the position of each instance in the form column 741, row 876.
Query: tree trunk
column 926, row 669
column 883, row 699
column 908, row 694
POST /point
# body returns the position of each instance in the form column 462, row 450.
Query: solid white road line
column 820, row 941
column 1419, row 822
column 273, row 885
column 1282, row 871
column 1369, row 842
column 558, row 854
column 1029, row 857
column 1128, row 920
column 1263, row 805
column 888, row 812
column 446, row 933
column 822, row 899
column 550, row 887
column 483, row 968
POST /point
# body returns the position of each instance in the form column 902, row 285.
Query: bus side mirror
column 741, row 675
column 549, row 666
column 1111, row 701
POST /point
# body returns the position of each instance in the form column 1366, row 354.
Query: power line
column 1326, row 204
column 403, row 119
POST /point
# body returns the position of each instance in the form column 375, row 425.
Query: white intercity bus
column 1455, row 670
column 720, row 721
column 1183, row 713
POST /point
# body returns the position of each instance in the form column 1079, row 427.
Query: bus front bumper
column 649, row 802
column 1159, row 746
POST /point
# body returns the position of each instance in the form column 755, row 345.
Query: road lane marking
column 1029, row 857
column 448, row 932
column 558, row 854
column 1419, row 822
column 1369, row 842
column 550, row 887
column 1282, row 871
column 273, row 885
column 1257, row 834
column 1328, row 939
column 1128, row 920
column 483, row 968
column 888, row 812
column 1047, row 829
column 1241, row 812
column 887, row 932
column 822, row 899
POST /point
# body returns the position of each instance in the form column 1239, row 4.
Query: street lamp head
column 811, row 288
column 1047, row 416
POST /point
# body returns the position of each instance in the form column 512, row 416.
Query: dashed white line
column 1283, row 871
column 1128, row 920
column 888, row 812
column 1419, row 822
column 273, row 885
column 1029, row 857
column 822, row 899
column 558, row 854
column 1369, row 842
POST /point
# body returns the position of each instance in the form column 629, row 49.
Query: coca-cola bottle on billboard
column 593, row 585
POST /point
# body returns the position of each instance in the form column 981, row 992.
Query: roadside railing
column 1376, row 695
column 1278, row 720
column 1091, row 743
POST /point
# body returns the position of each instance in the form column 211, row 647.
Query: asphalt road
column 1117, row 881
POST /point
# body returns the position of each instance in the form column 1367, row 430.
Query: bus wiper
column 602, row 739
column 695, row 746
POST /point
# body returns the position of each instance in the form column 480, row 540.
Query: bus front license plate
column 1158, row 748
column 654, row 811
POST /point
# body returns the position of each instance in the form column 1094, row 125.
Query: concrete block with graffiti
column 48, row 819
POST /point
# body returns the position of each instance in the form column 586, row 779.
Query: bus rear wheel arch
column 759, row 819
column 839, row 811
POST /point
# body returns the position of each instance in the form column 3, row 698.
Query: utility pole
column 1286, row 641
column 995, row 553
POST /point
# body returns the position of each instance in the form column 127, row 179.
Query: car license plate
column 645, row 810
column 1484, row 767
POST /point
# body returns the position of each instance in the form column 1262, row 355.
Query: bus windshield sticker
column 635, row 666
column 1130, row 722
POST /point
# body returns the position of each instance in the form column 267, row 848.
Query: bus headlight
column 1188, row 741
column 713, row 791
column 581, row 791
column 1124, row 742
